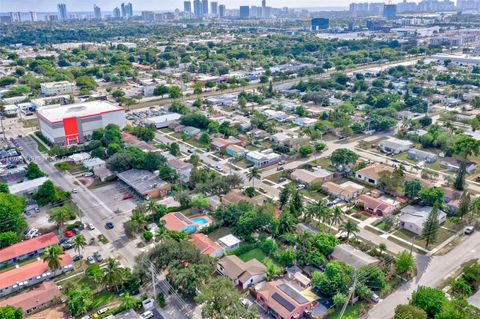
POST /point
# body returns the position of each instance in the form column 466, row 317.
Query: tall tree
column 253, row 174
column 465, row 205
column 112, row 274
column 459, row 183
column 283, row 197
column 431, row 226
column 61, row 215
column 52, row 256
column 343, row 158
column 405, row 263
column 9, row 312
column 412, row 188
column 79, row 242
column 337, row 216
column 350, row 228
column 220, row 299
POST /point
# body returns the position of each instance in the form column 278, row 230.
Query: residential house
column 103, row 173
column 352, row 256
column 345, row 191
column 290, row 141
column 395, row 145
column 37, row 299
column 145, row 183
column 28, row 186
column 31, row 274
column 27, row 249
column 452, row 199
column 221, row 144
column 257, row 133
column 206, row 246
column 164, row 120
column 413, row 218
column 191, row 131
column 235, row 196
column 95, row 162
column 236, row 151
column 243, row 274
column 311, row 177
column 453, row 165
column 229, row 242
column 178, row 222
column 377, row 206
column 371, row 174
column 182, row 168
column 419, row 155
column 304, row 121
column 264, row 158
column 282, row 300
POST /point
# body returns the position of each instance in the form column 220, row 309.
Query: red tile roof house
column 27, row 249
column 377, row 206
column 221, row 144
column 282, row 300
column 31, row 274
column 37, row 299
column 206, row 246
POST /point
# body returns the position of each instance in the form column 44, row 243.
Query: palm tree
column 60, row 216
column 112, row 274
column 253, row 174
column 138, row 220
column 79, row 242
column 337, row 216
column 350, row 228
column 129, row 302
column 52, row 256
column 94, row 273
column 151, row 206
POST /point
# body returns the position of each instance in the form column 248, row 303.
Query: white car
column 90, row 227
column 301, row 186
column 74, row 191
column 32, row 233
column 146, row 315
column 87, row 174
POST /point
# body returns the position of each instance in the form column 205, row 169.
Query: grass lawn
column 254, row 253
column 360, row 215
column 41, row 146
column 373, row 230
column 352, row 312
column 219, row 233
column 102, row 299
column 97, row 183
column 443, row 234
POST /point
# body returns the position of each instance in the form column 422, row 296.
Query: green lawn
column 41, row 147
column 443, row 234
column 102, row 299
column 256, row 253
column 352, row 312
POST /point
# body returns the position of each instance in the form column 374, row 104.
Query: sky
column 138, row 5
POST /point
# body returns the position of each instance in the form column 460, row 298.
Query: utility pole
column 350, row 295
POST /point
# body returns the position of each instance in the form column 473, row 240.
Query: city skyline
column 109, row 5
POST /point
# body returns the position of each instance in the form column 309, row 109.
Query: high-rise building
column 320, row 24
column 62, row 11
column 214, row 8
column 97, row 12
column 205, row 7
column 148, row 15
column 390, row 11
column 221, row 11
column 197, row 8
column 187, row 6
column 33, row 16
column 244, row 12
column 15, row 17
column 116, row 13
column 127, row 10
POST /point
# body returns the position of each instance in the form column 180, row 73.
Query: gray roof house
column 191, row 131
column 453, row 165
column 394, row 145
column 413, row 217
column 352, row 256
column 419, row 155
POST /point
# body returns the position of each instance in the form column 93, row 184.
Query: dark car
column 77, row 257
column 67, row 245
column 109, row 225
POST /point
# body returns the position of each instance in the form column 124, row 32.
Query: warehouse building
column 75, row 123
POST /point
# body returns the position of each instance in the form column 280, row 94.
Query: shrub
column 147, row 235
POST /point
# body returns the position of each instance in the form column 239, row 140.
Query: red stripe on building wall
column 70, row 126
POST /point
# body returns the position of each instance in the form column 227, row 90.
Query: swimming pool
column 200, row 221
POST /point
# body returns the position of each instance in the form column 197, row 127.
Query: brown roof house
column 371, row 174
column 345, row 191
column 243, row 274
column 235, row 196
column 378, row 206
column 311, row 177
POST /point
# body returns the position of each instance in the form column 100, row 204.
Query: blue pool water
column 200, row 221
column 189, row 229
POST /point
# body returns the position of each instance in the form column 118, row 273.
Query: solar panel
column 183, row 218
column 292, row 293
column 284, row 302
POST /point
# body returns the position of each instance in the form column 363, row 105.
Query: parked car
column 69, row 234
column 87, row 174
column 127, row 196
column 97, row 256
column 103, row 310
column 90, row 227
column 32, row 233
column 66, row 245
column 77, row 257
column 74, row 191
column 375, row 298
column 280, row 168
column 146, row 315
column 469, row 230
column 90, row 260
column 109, row 225
column 301, row 186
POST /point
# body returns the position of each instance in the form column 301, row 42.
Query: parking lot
column 117, row 197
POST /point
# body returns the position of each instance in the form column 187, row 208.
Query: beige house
column 371, row 174
column 345, row 191
column 309, row 178
column 243, row 274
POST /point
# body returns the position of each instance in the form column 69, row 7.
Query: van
column 148, row 304
column 146, row 315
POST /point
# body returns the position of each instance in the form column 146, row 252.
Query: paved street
column 93, row 209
